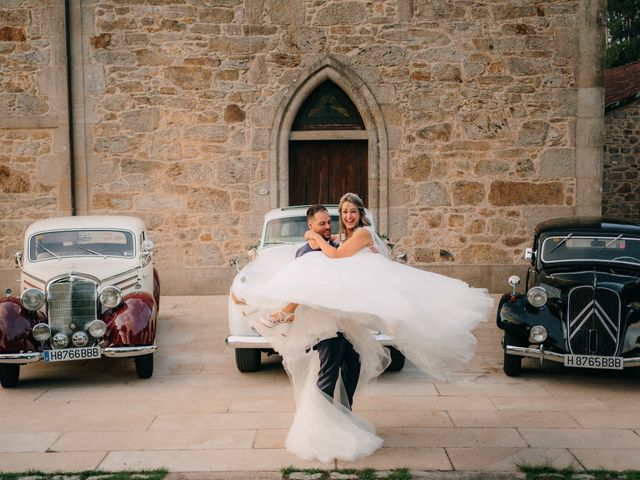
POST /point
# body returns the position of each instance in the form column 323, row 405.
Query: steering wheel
column 633, row 259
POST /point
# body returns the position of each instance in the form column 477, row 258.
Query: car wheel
column 144, row 365
column 512, row 363
column 248, row 359
column 9, row 375
column 397, row 360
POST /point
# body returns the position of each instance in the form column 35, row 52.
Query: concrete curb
column 417, row 475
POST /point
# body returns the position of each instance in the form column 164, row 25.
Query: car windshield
column 573, row 247
column 81, row 243
column 290, row 230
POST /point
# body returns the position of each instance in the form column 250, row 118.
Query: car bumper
column 31, row 357
column 255, row 341
column 542, row 354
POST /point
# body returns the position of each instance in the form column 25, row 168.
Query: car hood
column 567, row 280
column 100, row 268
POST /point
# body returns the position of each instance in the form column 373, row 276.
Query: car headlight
column 110, row 297
column 97, row 328
column 32, row 299
column 60, row 340
column 538, row 334
column 80, row 339
column 41, row 332
column 537, row 296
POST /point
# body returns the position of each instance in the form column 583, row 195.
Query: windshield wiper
column 38, row 244
column 561, row 243
column 90, row 251
column 610, row 243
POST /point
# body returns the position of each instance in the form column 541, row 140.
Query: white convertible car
column 282, row 234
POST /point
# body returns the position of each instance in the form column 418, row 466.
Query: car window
column 584, row 248
column 81, row 243
column 290, row 230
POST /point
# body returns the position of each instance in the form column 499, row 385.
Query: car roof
column 108, row 222
column 295, row 211
column 301, row 211
column 589, row 223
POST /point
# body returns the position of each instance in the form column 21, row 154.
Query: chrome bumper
column 30, row 357
column 256, row 341
column 542, row 354
column 20, row 358
column 128, row 351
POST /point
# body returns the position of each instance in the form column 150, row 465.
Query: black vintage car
column 582, row 302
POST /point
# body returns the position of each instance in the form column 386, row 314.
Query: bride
column 351, row 290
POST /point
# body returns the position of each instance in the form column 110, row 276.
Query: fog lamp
column 537, row 296
column 41, row 332
column 538, row 334
column 32, row 299
column 59, row 340
column 110, row 297
column 80, row 339
column 97, row 328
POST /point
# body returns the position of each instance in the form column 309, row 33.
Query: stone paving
column 199, row 414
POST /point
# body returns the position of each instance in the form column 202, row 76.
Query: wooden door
column 321, row 171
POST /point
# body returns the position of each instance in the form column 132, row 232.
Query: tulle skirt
column 430, row 316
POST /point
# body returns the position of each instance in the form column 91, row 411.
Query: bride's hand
column 310, row 235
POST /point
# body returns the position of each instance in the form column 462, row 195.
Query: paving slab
column 198, row 414
column 506, row 459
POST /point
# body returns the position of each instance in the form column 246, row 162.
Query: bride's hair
column 355, row 199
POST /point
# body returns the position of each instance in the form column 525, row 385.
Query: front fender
column 517, row 316
column 133, row 322
column 15, row 326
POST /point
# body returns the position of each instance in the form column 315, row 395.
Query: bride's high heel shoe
column 277, row 318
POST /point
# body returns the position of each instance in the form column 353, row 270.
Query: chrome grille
column 594, row 321
column 71, row 299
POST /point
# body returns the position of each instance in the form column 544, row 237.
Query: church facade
column 461, row 123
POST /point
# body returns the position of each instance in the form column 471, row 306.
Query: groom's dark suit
column 336, row 356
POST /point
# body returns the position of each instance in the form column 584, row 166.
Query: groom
column 336, row 353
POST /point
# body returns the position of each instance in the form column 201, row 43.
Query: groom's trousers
column 338, row 356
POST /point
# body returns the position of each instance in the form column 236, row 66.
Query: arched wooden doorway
column 328, row 149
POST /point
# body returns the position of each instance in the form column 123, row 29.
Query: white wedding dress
column 430, row 316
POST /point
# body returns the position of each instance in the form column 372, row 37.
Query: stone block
column 208, row 199
column 380, row 55
column 233, row 114
column 506, row 193
column 533, row 132
column 418, row 167
column 285, row 12
column 589, row 132
column 306, row 40
column 534, row 215
column 12, row 181
column 207, row 133
column 433, row 194
column 468, row 193
column 436, row 132
column 189, row 78
column 520, row 66
column 480, row 254
column 215, row 15
column 558, row 162
column 145, row 120
column 341, row 13
column 111, row 201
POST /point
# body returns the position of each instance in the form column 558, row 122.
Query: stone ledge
column 46, row 121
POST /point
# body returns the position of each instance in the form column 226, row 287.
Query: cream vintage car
column 282, row 234
column 88, row 289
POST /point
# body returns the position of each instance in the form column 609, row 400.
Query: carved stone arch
column 292, row 99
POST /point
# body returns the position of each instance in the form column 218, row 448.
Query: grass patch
column 365, row 474
column 139, row 475
column 547, row 472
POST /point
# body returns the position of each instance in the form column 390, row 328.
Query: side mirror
column 529, row 254
column 18, row 259
column 401, row 258
column 147, row 251
column 252, row 252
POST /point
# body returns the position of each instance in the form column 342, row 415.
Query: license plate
column 593, row 361
column 72, row 354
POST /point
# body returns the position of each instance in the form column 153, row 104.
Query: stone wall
column 621, row 173
column 480, row 105
column 34, row 179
